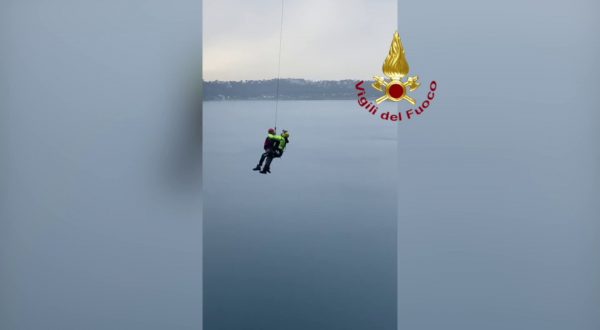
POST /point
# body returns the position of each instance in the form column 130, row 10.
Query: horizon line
column 266, row 79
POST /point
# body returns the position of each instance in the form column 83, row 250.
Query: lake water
column 313, row 244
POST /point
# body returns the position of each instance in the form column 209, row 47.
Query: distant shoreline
column 289, row 89
column 286, row 100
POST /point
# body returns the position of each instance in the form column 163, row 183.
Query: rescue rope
column 279, row 65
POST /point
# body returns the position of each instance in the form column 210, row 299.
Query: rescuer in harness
column 274, row 147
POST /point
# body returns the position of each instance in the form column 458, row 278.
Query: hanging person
column 278, row 149
column 271, row 147
column 282, row 144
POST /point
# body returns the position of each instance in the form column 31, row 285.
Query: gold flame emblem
column 395, row 68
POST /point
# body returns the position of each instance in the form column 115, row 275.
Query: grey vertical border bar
column 202, row 159
column 201, row 137
column 4, row 134
column 3, row 116
column 398, row 195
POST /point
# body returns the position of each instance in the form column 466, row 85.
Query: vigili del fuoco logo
column 395, row 68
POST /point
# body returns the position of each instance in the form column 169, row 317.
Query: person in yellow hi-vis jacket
column 274, row 146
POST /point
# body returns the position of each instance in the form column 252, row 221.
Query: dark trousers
column 269, row 155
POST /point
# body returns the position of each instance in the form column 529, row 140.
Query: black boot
column 257, row 168
column 265, row 170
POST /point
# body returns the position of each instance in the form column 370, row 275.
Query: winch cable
column 279, row 65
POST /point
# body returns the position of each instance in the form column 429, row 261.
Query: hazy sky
column 331, row 39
